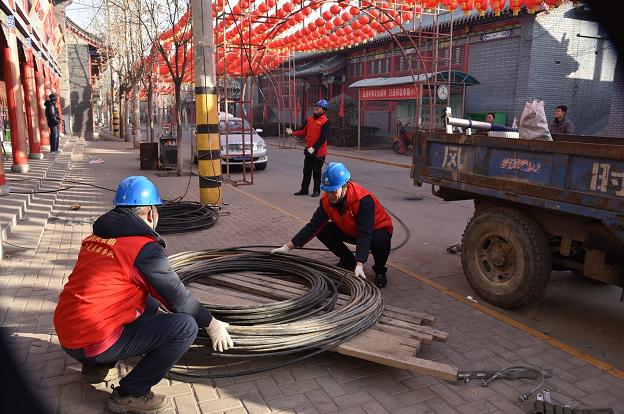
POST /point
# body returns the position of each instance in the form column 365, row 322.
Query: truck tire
column 506, row 257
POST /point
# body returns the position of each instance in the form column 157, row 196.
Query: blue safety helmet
column 335, row 176
column 137, row 191
column 323, row 104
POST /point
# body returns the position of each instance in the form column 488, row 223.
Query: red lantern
column 288, row 7
column 481, row 6
column 356, row 25
column 407, row 16
column 515, row 6
column 335, row 9
column 364, row 19
column 466, row 6
column 327, row 15
column 430, row 4
column 497, row 6
column 319, row 22
column 338, row 22
column 345, row 17
column 329, row 26
column 354, row 11
column 299, row 17
column 306, row 11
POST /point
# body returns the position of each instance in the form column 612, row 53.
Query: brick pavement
column 329, row 383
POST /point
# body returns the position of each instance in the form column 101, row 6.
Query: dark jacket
column 564, row 126
column 365, row 220
column 152, row 263
column 51, row 113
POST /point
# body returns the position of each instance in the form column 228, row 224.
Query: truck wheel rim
column 497, row 259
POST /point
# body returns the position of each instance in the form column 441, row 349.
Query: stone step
column 24, row 213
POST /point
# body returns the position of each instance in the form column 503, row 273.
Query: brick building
column 560, row 56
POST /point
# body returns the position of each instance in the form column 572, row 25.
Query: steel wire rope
column 290, row 331
column 186, row 216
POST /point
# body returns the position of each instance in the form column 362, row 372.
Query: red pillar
column 41, row 97
column 57, row 91
column 15, row 99
column 30, row 102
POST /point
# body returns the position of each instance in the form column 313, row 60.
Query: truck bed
column 578, row 175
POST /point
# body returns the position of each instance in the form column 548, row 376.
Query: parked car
column 231, row 132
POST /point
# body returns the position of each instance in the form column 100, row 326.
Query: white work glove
column 289, row 131
column 359, row 270
column 221, row 339
column 284, row 249
column 310, row 150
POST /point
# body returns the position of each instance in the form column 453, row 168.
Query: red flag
column 341, row 109
column 265, row 113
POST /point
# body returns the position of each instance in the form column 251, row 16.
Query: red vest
column 312, row 132
column 103, row 293
column 346, row 221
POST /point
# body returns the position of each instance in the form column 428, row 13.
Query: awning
column 457, row 78
column 324, row 67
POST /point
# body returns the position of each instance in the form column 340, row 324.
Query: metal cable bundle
column 307, row 324
column 185, row 216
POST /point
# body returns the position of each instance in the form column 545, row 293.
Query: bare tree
column 168, row 25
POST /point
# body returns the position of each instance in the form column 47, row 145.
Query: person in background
column 490, row 117
column 316, row 130
column 348, row 213
column 561, row 124
column 54, row 120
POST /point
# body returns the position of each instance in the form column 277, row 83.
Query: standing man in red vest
column 107, row 310
column 315, row 130
column 348, row 213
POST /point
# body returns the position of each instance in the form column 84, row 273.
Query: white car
column 231, row 132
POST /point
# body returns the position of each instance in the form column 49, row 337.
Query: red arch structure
column 260, row 37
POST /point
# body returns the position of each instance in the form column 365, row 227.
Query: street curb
column 355, row 157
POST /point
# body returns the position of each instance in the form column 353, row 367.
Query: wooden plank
column 401, row 317
column 422, row 337
column 436, row 334
column 426, row 318
column 377, row 350
column 406, row 337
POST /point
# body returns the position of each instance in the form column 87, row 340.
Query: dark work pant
column 163, row 338
column 334, row 239
column 54, row 138
column 312, row 166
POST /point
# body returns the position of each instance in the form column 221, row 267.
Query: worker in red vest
column 348, row 213
column 316, row 131
column 107, row 311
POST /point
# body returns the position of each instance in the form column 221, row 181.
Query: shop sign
column 389, row 93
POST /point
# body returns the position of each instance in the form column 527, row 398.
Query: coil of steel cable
column 302, row 326
column 185, row 216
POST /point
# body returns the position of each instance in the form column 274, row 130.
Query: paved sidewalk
column 330, row 383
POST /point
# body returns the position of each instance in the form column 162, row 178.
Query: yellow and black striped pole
column 116, row 123
column 206, row 110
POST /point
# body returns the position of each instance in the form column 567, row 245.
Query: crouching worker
column 348, row 213
column 107, row 310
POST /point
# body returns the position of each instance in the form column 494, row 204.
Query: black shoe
column 316, row 194
column 301, row 192
column 380, row 280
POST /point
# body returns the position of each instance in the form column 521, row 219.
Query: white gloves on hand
column 310, row 150
column 359, row 270
column 221, row 339
column 284, row 249
column 289, row 131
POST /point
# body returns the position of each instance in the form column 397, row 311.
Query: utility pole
column 207, row 113
column 111, row 107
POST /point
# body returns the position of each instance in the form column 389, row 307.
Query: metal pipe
column 483, row 126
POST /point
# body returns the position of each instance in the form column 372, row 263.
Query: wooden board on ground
column 394, row 340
